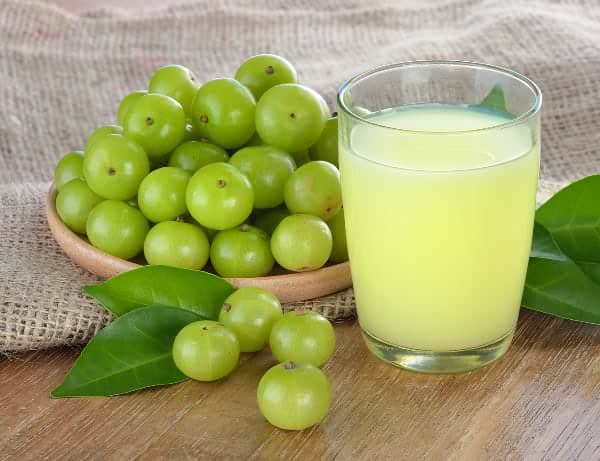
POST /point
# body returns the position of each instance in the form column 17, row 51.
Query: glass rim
column 533, row 110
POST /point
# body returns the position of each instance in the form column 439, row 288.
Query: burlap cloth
column 61, row 75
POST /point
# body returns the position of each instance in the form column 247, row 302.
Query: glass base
column 458, row 361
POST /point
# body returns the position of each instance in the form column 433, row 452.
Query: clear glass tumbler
column 439, row 163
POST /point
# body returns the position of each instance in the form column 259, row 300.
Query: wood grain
column 541, row 401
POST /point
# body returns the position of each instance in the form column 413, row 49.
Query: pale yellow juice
column 439, row 224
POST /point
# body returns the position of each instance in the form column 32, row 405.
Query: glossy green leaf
column 200, row 292
column 559, row 286
column 572, row 216
column 591, row 269
column 563, row 277
column 543, row 245
column 495, row 99
column 133, row 352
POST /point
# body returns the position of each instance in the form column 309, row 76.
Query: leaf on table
column 557, row 285
column 572, row 216
column 133, row 352
column 197, row 291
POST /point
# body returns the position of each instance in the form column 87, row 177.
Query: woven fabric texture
column 61, row 75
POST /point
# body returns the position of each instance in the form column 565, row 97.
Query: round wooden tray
column 288, row 287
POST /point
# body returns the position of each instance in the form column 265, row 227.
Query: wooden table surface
column 541, row 401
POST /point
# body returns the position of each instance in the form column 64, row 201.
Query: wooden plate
column 288, row 287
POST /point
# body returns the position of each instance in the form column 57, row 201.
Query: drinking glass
column 439, row 163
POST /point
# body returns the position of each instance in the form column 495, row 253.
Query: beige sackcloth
column 61, row 75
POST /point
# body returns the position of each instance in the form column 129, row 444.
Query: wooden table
column 541, row 401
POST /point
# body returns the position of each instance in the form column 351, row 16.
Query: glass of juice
column 439, row 163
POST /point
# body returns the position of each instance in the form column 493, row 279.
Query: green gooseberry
column 268, row 220
column 339, row 250
column 294, row 396
column 157, row 122
column 301, row 157
column 326, row 148
column 100, row 133
column 255, row 140
column 268, row 169
column 250, row 313
column 205, row 350
column 314, row 188
column 302, row 337
column 114, row 167
column 241, row 252
column 263, row 71
column 301, row 242
column 219, row 196
column 127, row 103
column 177, row 244
column 223, row 112
column 161, row 196
column 117, row 228
column 193, row 155
column 68, row 167
column 291, row 117
column 177, row 82
column 74, row 202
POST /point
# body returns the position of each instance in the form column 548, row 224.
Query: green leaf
column 591, row 269
column 557, row 285
column 544, row 246
column 563, row 277
column 200, row 292
column 495, row 99
column 133, row 352
column 572, row 216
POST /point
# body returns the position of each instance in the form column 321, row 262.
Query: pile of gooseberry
column 239, row 171
column 293, row 395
